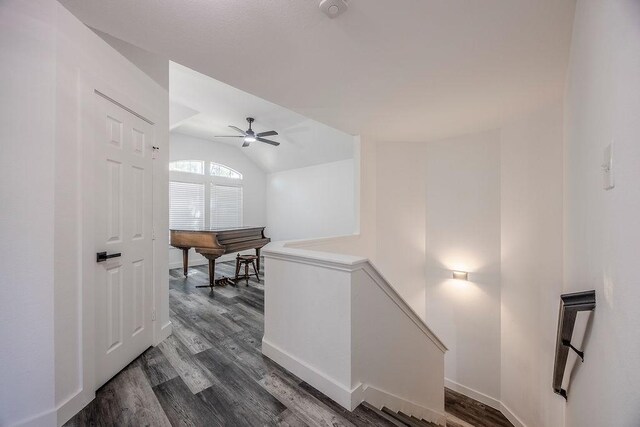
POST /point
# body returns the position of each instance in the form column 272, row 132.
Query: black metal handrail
column 570, row 305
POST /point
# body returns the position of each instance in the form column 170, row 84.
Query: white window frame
column 209, row 181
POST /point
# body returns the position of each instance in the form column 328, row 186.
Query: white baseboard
column 513, row 418
column 474, row 394
column 348, row 398
column 487, row 400
column 60, row 414
column 47, row 418
column 380, row 398
column 330, row 387
column 73, row 405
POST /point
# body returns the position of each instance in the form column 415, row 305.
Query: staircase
column 401, row 419
column 398, row 418
column 334, row 321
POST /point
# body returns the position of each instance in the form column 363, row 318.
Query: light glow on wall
column 462, row 291
column 461, row 260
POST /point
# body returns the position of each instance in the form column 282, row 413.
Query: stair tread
column 399, row 419
column 406, row 420
column 423, row 422
column 417, row 421
column 394, row 415
column 384, row 415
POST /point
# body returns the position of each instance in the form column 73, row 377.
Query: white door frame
column 87, row 122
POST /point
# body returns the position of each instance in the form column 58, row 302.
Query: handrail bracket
column 562, row 392
column 570, row 306
column 567, row 343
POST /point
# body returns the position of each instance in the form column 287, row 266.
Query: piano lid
column 218, row 229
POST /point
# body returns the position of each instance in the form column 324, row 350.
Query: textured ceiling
column 404, row 70
column 204, row 107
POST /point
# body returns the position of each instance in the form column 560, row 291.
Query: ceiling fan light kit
column 250, row 136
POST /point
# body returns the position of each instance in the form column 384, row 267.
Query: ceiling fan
column 250, row 136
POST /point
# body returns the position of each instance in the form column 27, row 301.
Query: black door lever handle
column 102, row 256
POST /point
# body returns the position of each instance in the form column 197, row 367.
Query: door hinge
column 153, row 233
column 153, row 315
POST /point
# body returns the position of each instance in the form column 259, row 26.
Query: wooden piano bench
column 246, row 260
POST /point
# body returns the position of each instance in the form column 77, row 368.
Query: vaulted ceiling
column 402, row 70
column 204, row 107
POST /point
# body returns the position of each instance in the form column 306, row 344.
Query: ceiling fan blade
column 228, row 136
column 268, row 141
column 238, row 129
column 268, row 133
column 246, row 144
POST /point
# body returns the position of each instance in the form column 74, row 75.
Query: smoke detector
column 333, row 8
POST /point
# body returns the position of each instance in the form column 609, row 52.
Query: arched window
column 188, row 166
column 198, row 199
column 216, row 169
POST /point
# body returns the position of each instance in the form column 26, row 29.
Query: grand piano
column 214, row 242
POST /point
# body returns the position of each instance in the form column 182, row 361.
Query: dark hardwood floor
column 211, row 372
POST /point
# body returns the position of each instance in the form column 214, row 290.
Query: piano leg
column 258, row 260
column 212, row 274
column 185, row 260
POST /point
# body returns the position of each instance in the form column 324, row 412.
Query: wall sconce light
column 461, row 275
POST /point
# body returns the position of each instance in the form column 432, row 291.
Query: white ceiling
column 204, row 107
column 403, row 70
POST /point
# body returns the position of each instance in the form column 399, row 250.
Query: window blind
column 186, row 205
column 226, row 206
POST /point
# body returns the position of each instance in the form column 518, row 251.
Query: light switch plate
column 607, row 168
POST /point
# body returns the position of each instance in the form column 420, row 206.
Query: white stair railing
column 333, row 320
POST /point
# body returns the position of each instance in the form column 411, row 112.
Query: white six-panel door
column 123, row 224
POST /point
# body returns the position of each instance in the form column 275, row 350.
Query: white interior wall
column 153, row 65
column 362, row 242
column 531, row 264
column 83, row 58
column 184, row 147
column 311, row 202
column 463, row 233
column 47, row 53
column 438, row 209
column 602, row 229
column 491, row 204
column 400, row 219
column 366, row 158
column 27, row 84
column 373, row 339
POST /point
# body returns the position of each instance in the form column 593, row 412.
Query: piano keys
column 214, row 242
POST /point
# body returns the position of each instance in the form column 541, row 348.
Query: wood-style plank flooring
column 211, row 372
